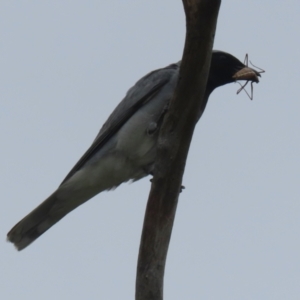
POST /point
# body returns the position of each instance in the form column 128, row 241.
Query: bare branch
column 174, row 141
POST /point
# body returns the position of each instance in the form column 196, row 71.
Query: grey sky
column 64, row 66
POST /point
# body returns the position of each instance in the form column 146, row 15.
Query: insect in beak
column 247, row 74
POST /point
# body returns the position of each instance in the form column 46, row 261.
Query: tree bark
column 173, row 145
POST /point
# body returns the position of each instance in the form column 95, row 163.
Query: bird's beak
column 248, row 74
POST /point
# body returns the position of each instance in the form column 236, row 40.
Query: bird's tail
column 37, row 222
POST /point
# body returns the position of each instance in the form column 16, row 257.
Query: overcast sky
column 64, row 66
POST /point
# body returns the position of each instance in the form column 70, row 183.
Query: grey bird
column 125, row 147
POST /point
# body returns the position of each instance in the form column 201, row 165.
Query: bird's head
column 225, row 68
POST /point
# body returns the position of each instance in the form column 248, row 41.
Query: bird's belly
column 134, row 141
column 129, row 155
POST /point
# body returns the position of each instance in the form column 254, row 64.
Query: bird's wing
column 140, row 94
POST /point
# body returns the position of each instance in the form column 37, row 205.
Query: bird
column 125, row 147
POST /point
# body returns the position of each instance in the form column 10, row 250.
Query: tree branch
column 173, row 145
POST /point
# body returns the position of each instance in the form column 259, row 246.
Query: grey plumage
column 124, row 149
